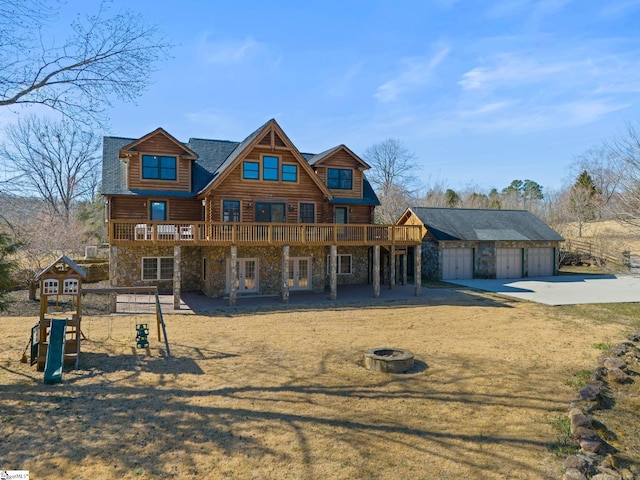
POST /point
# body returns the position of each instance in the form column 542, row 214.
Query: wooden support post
column 405, row 268
column 376, row 271
column 417, row 269
column 285, row 274
column 333, row 272
column 177, row 276
column 392, row 267
column 233, row 276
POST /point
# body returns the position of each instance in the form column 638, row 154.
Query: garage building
column 465, row 243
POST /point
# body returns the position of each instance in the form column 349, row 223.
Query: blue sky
column 483, row 92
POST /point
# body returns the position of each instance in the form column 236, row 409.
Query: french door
column 247, row 281
column 300, row 273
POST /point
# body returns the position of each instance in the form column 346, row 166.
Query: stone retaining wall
column 597, row 459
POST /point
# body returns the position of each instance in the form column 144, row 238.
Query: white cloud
column 229, row 52
column 517, row 117
column 488, row 108
column 415, row 72
column 510, row 70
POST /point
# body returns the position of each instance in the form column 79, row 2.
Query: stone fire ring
column 389, row 360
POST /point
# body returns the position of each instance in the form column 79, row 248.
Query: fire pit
column 390, row 360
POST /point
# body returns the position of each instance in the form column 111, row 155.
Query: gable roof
column 484, row 224
column 212, row 159
column 64, row 262
column 190, row 154
column 315, row 160
column 273, row 129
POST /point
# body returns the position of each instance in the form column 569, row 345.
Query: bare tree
column 393, row 177
column 392, row 204
column 53, row 161
column 581, row 205
column 392, row 166
column 7, row 247
column 606, row 171
column 42, row 237
column 105, row 57
column 626, row 149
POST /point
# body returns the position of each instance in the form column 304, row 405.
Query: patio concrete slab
column 564, row 290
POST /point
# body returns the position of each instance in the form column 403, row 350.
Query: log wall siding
column 342, row 159
column 129, row 208
column 305, row 190
column 159, row 145
column 137, row 208
column 185, row 209
column 356, row 213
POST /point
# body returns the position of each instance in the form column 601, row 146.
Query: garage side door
column 457, row 263
column 509, row 263
column 540, row 262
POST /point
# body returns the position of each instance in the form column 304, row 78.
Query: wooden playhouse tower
column 60, row 298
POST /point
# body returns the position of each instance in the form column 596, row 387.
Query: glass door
column 247, row 281
column 300, row 273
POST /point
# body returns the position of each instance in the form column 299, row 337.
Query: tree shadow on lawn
column 117, row 424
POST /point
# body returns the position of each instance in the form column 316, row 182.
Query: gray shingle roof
column 233, row 154
column 369, row 197
column 211, row 155
column 214, row 156
column 484, row 225
column 114, row 173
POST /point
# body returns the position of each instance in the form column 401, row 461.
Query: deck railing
column 134, row 232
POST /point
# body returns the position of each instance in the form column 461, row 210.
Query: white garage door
column 509, row 263
column 457, row 263
column 540, row 262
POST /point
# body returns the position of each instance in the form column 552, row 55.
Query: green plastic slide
column 55, row 353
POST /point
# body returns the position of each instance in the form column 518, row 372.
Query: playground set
column 56, row 338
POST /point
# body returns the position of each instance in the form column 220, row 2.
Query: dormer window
column 340, row 178
column 159, row 167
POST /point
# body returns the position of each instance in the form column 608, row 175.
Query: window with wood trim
column 340, row 178
column 289, row 173
column 159, row 167
column 307, row 213
column 251, row 171
column 157, row 268
column 270, row 168
column 345, row 266
column 231, row 210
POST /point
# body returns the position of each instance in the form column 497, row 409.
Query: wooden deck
column 134, row 232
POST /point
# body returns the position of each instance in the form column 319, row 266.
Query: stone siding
column 431, row 261
column 126, row 267
column 270, row 267
column 359, row 266
column 485, row 260
column 484, row 254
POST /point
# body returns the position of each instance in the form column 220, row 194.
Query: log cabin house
column 249, row 217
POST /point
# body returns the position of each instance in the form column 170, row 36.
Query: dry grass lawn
column 284, row 394
column 612, row 235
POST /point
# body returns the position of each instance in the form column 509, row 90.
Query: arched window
column 50, row 287
column 70, row 286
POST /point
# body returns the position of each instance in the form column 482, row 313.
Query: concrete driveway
column 565, row 289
